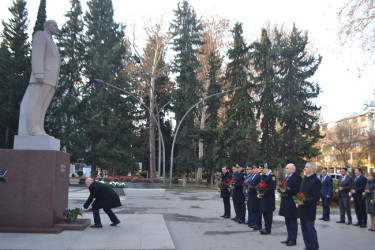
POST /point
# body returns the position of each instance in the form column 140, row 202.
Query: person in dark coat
column 253, row 201
column 234, row 175
column 288, row 207
column 249, row 176
column 358, row 187
column 369, row 195
column 345, row 184
column 267, row 200
column 224, row 193
column 105, row 197
column 238, row 196
column 306, row 210
column 326, row 194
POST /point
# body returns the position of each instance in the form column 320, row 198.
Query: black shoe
column 264, row 232
column 96, row 226
column 326, row 219
column 290, row 243
column 226, row 217
column 357, row 224
column 251, row 225
column 321, row 218
column 284, row 241
column 348, row 223
column 222, row 215
column 235, row 219
column 257, row 228
column 115, row 223
column 340, row 221
column 241, row 221
column 363, row 226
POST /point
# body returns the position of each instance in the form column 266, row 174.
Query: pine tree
column 267, row 88
column 186, row 30
column 240, row 126
column 41, row 18
column 14, row 71
column 299, row 114
column 64, row 115
column 109, row 130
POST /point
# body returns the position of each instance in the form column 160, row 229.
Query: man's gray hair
column 312, row 164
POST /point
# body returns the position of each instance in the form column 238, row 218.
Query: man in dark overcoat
column 344, row 186
column 238, row 196
column 326, row 194
column 253, row 201
column 267, row 200
column 306, row 211
column 105, row 197
column 288, row 207
column 358, row 187
column 224, row 193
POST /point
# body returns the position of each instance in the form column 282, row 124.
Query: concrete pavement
column 183, row 220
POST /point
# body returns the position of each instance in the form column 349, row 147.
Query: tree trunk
column 184, row 178
column 198, row 178
column 152, row 131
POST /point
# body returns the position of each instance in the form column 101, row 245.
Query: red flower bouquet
column 229, row 183
column 282, row 185
column 261, row 188
column 245, row 186
column 222, row 185
column 299, row 197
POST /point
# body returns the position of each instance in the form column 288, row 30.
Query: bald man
column 105, row 197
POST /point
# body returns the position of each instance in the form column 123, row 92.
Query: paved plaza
column 183, row 220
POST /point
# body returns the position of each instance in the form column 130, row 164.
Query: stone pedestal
column 36, row 193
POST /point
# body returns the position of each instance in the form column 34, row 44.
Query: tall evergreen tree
column 298, row 116
column 14, row 70
column 109, row 130
column 240, row 126
column 41, row 18
column 267, row 88
column 64, row 115
column 186, row 30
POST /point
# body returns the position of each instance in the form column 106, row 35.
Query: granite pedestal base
column 36, row 194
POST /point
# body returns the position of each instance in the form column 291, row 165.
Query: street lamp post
column 182, row 119
column 161, row 138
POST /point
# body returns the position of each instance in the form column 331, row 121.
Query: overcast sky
column 345, row 83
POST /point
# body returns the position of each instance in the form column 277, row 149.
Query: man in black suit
column 306, row 210
column 267, row 200
column 358, row 187
column 326, row 193
column 345, row 184
column 224, row 193
column 105, row 197
column 253, row 201
column 288, row 207
column 238, row 196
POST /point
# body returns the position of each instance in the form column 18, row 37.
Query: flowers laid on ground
column 116, row 184
column 282, row 185
column 299, row 197
column 72, row 214
column 261, row 188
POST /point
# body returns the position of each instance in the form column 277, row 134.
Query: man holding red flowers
column 288, row 207
column 224, row 192
column 306, row 210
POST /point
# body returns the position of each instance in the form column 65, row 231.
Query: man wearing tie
column 326, row 193
column 288, row 207
column 345, row 184
column 358, row 188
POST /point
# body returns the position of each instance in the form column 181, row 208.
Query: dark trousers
column 240, row 209
column 292, row 228
column 235, row 207
column 108, row 211
column 344, row 204
column 226, row 201
column 267, row 216
column 250, row 216
column 360, row 211
column 309, row 234
column 257, row 217
column 326, row 203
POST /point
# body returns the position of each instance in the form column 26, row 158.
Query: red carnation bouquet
column 245, row 186
column 229, row 183
column 282, row 185
column 261, row 188
column 299, row 197
column 222, row 185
